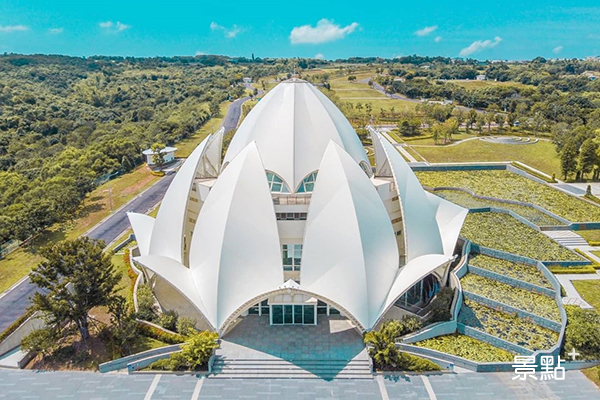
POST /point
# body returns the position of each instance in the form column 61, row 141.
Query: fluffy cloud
column 437, row 39
column 426, row 31
column 56, row 31
column 319, row 56
column 324, row 31
column 557, row 49
column 115, row 27
column 229, row 33
column 480, row 45
column 13, row 28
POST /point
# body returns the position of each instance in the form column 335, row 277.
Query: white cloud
column 480, row 45
column 229, row 33
column 56, row 31
column 426, row 31
column 319, row 56
column 113, row 27
column 557, row 49
column 13, row 28
column 324, row 31
column 437, row 39
column 200, row 53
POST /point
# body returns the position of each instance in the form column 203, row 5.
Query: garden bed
column 524, row 272
column 467, row 347
column 466, row 200
column 502, row 232
column 525, row 300
column 507, row 326
column 511, row 186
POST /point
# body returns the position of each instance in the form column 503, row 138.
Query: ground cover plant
column 523, row 272
column 583, row 332
column 507, row 326
column 465, row 199
column 467, row 347
column 508, row 185
column 525, row 300
column 589, row 290
column 502, row 232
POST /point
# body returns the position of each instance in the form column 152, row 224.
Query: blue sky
column 326, row 28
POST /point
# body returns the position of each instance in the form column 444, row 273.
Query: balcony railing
column 291, row 199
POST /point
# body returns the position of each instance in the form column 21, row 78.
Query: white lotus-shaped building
column 293, row 222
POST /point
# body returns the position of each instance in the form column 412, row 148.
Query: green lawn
column 541, row 155
column 590, row 291
column 427, row 140
column 592, row 235
column 473, row 85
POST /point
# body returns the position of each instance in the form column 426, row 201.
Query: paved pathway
column 573, row 297
column 384, row 131
column 15, row 384
column 568, row 239
column 14, row 302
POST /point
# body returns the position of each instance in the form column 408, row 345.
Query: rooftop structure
column 294, row 223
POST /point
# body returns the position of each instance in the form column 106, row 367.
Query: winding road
column 14, row 301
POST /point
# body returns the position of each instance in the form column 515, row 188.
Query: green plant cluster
column 502, row 232
column 583, row 332
column 13, row 327
column 510, row 186
column 584, row 269
column 523, row 272
column 506, row 326
column 385, row 354
column 194, row 354
column 158, row 334
column 465, row 199
column 525, row 300
column 534, row 173
column 467, row 347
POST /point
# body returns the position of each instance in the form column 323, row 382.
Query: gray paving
column 15, row 384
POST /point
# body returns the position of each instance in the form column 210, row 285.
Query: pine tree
column 568, row 159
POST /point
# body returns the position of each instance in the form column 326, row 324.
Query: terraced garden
column 502, row 232
column 511, row 186
column 523, row 272
column 467, row 347
column 464, row 199
column 507, row 326
column 525, row 300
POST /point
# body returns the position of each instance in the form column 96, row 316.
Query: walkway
column 573, row 297
column 399, row 146
column 16, row 384
column 569, row 239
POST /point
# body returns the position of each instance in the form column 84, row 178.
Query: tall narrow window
column 291, row 255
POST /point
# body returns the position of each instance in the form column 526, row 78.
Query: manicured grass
column 473, row 84
column 593, row 374
column 541, row 155
column 467, row 347
column 143, row 343
column 592, row 235
column 462, row 135
column 523, row 272
column 590, row 291
column 502, row 232
column 511, row 186
column 95, row 208
column 464, row 199
column 525, row 300
column 186, row 146
column 507, row 326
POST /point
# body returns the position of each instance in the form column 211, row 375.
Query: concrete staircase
column 569, row 239
column 279, row 368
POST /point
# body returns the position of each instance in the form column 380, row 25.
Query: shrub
column 583, row 332
column 168, row 320
column 185, row 325
column 155, row 333
column 13, row 327
column 175, row 362
column 467, row 347
column 440, row 305
column 524, row 272
column 42, row 341
column 198, row 348
column 145, row 300
column 583, row 269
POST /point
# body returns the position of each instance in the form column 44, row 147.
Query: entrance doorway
column 293, row 314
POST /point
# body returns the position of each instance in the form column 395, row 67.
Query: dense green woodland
column 67, row 122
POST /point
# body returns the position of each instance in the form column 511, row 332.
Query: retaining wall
column 121, row 363
column 13, row 340
column 511, row 281
column 493, row 340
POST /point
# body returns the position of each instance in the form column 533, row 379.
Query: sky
column 329, row 29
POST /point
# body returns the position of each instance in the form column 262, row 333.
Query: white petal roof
column 450, row 218
column 142, row 226
column 421, row 231
column 350, row 254
column 235, row 252
column 292, row 126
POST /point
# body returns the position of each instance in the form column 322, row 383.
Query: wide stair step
column 278, row 368
column 568, row 239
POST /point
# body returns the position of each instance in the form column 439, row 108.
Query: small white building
column 481, row 77
column 247, row 80
column 168, row 155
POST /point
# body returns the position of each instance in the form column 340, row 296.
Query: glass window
column 308, row 183
column 288, row 314
column 287, row 257
column 298, row 314
column 309, row 315
column 297, row 256
column 253, row 310
column 277, row 314
column 276, row 184
column 333, row 311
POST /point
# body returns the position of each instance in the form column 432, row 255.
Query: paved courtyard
column 333, row 338
column 16, row 384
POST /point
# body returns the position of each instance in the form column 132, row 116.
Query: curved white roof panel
column 235, row 252
column 292, row 126
column 142, row 226
column 450, row 218
column 421, row 230
column 350, row 254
